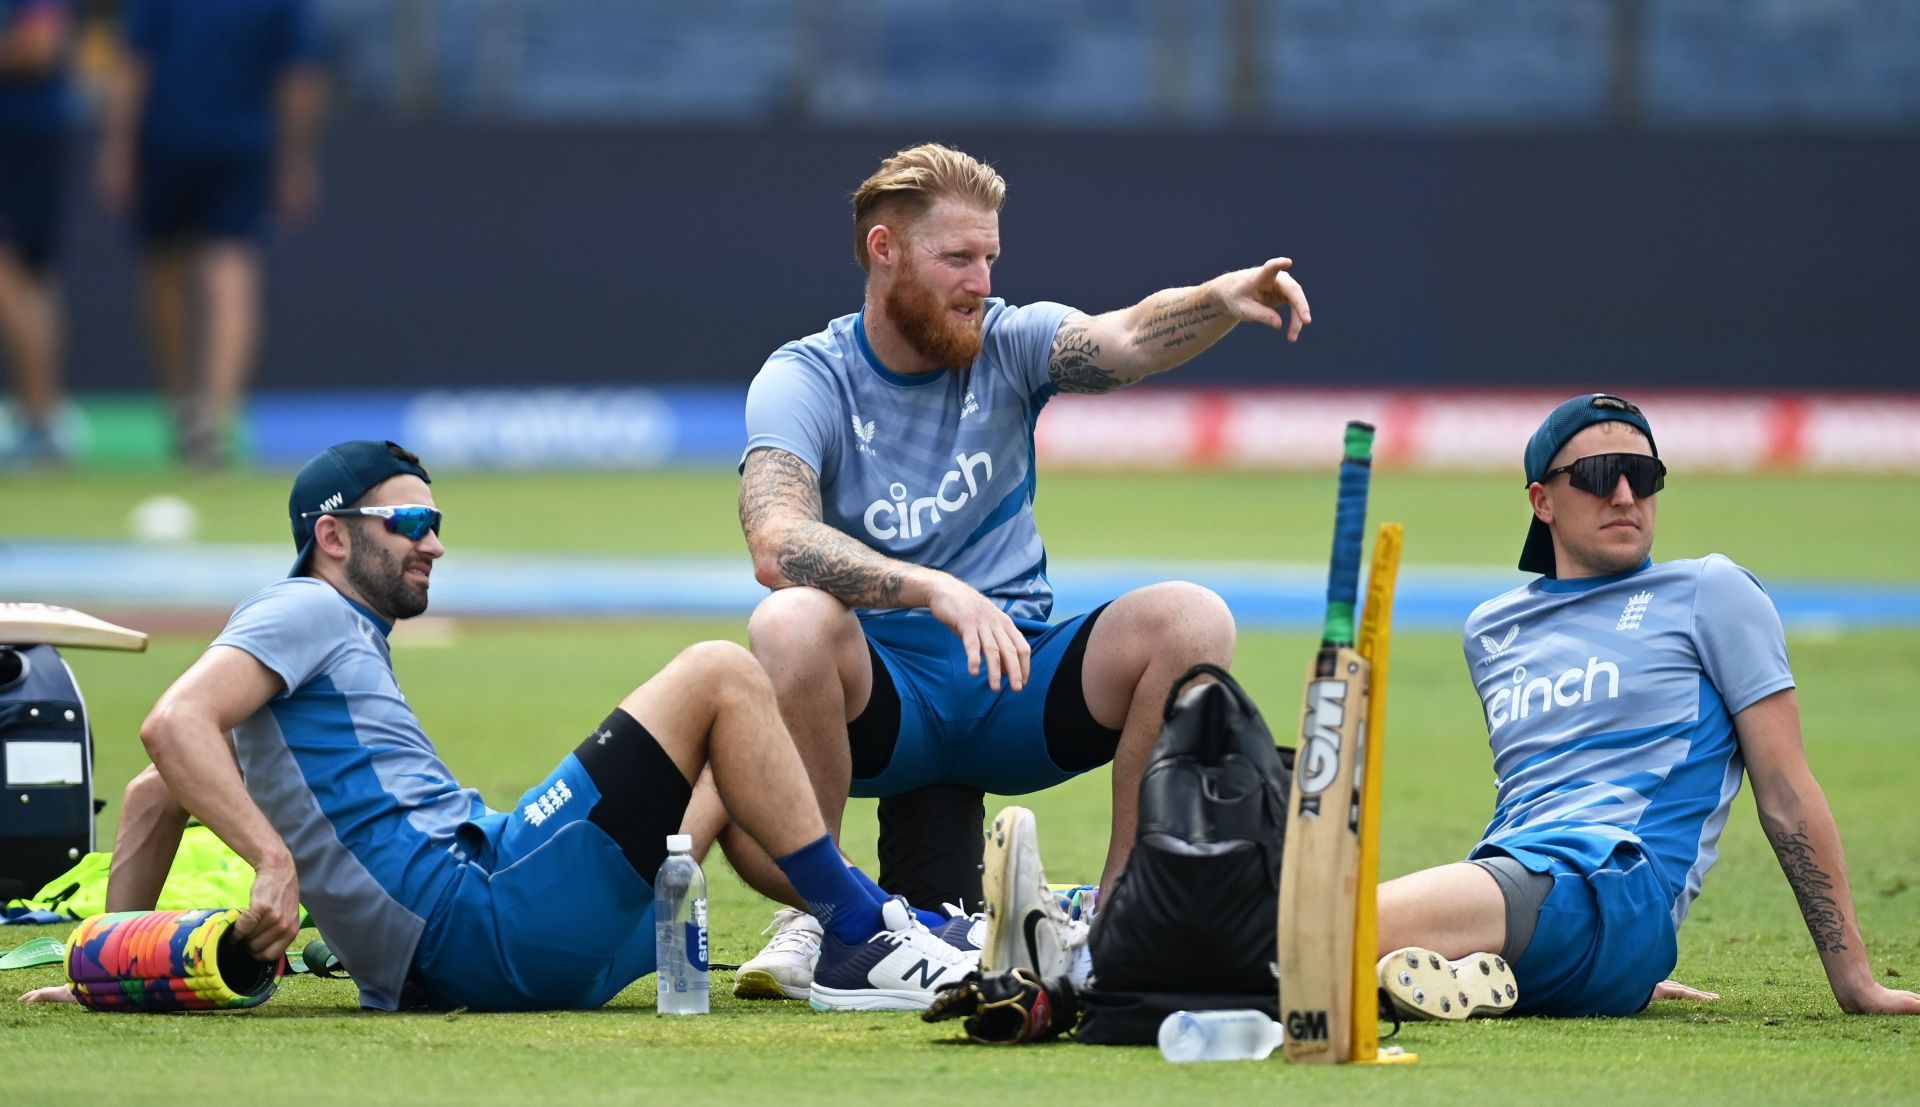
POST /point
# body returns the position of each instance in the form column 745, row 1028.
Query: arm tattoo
column 1811, row 887
column 810, row 552
column 1177, row 324
column 1073, row 364
column 822, row 557
column 775, row 479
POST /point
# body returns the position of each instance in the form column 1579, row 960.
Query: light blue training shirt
column 340, row 766
column 1609, row 704
column 936, row 470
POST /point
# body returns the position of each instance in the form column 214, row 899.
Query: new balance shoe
column 898, row 969
column 783, row 969
column 1026, row 926
column 1421, row 984
column 963, row 931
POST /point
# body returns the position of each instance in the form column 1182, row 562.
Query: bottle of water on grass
column 680, row 929
column 1218, row 1036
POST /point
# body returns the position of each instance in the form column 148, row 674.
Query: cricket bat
column 45, row 624
column 1320, row 868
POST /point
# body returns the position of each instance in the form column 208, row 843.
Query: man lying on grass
column 331, row 790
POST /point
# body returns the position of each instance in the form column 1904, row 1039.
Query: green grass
column 1776, row 1036
column 1778, row 525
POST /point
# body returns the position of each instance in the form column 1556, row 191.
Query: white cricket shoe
column 1026, row 926
column 1421, row 984
column 784, row 968
column 898, row 969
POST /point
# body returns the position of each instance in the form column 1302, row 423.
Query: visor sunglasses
column 1599, row 474
column 410, row 520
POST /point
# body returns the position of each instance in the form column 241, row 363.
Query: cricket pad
column 166, row 961
column 1190, row 922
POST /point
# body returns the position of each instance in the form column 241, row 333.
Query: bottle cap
column 679, row 843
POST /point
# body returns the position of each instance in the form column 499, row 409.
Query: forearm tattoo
column 1074, row 363
column 779, row 491
column 1811, row 886
column 1180, row 323
column 815, row 554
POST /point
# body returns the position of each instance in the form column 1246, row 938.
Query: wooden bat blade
column 1319, row 869
column 45, row 624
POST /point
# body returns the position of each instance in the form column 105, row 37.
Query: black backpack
column 1190, row 922
column 46, row 800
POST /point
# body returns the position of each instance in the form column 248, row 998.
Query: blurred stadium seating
column 1845, row 64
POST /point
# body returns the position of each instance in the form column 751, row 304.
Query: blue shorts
column 929, row 722
column 1603, row 940
column 32, row 169
column 196, row 197
column 548, row 910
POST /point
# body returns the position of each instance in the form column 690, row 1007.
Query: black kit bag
column 46, row 759
column 1190, row 922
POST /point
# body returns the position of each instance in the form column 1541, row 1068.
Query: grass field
column 1776, row 1036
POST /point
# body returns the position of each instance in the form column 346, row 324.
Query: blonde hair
column 908, row 183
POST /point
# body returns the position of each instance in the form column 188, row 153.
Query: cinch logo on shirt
column 1518, row 702
column 900, row 517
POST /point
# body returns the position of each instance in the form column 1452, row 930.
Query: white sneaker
column 1421, row 984
column 899, row 969
column 784, row 968
column 1026, row 926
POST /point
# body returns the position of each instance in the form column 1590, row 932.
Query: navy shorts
column 1604, row 939
column 194, row 197
column 552, row 904
column 929, row 721
column 33, row 168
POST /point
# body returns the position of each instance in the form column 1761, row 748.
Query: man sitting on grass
column 334, row 794
column 1624, row 699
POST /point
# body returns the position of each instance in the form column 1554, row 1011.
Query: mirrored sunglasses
column 411, row 520
column 1599, row 474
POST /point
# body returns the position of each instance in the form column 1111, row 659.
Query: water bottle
column 1218, row 1036
column 680, row 930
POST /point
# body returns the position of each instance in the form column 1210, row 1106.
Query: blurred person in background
column 34, row 113
column 212, row 119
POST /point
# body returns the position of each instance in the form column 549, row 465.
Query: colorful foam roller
column 165, row 961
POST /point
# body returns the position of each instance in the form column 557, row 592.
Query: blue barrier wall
column 502, row 254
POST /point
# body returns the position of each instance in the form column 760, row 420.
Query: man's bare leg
column 815, row 656
column 1142, row 643
column 1453, row 910
column 165, row 298
column 1458, row 909
column 30, row 325
column 230, row 295
column 713, row 705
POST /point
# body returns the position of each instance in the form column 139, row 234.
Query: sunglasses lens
column 1599, row 474
column 414, row 522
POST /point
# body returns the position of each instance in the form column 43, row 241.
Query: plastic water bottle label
column 697, row 937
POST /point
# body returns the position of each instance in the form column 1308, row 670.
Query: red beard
column 929, row 326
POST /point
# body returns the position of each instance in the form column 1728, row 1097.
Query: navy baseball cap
column 336, row 477
column 1560, row 425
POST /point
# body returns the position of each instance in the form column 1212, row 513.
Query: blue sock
column 822, row 878
column 874, row 891
column 930, row 919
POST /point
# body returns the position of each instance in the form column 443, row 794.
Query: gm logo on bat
column 1307, row 1026
column 1319, row 760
